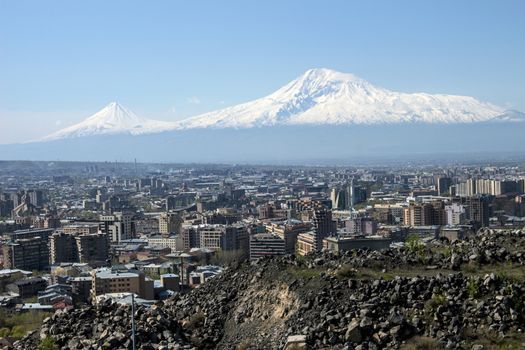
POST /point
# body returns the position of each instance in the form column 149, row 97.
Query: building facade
column 266, row 245
column 169, row 223
column 26, row 254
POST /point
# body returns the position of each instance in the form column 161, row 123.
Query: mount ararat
column 323, row 114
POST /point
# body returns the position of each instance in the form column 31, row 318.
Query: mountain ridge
column 320, row 96
column 325, row 96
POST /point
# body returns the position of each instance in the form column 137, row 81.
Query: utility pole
column 134, row 345
column 181, row 271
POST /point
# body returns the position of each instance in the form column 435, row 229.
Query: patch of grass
column 388, row 276
column 48, row 343
column 473, row 287
column 441, row 249
column 432, row 305
column 511, row 345
column 470, row 268
column 512, row 273
column 302, row 272
column 347, row 271
column 402, row 272
column 492, row 340
column 228, row 257
column 421, row 343
column 19, row 324
column 447, row 252
column 195, row 320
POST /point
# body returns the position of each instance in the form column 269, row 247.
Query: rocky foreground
column 465, row 295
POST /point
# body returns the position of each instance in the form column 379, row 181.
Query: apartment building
column 105, row 281
column 266, row 244
column 26, row 254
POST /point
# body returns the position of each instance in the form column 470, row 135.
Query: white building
column 455, row 214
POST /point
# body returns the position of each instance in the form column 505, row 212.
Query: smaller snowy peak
column 114, row 116
column 112, row 119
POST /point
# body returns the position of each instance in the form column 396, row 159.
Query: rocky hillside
column 466, row 295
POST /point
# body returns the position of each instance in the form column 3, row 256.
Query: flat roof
column 29, row 230
column 109, row 274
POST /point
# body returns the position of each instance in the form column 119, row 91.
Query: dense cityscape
column 262, row 175
column 77, row 234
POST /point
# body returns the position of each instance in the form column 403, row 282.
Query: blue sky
column 61, row 61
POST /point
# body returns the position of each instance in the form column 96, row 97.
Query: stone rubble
column 323, row 297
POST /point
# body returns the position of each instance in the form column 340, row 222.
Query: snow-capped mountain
column 324, row 96
column 112, row 119
column 318, row 97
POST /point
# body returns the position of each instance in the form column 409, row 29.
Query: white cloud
column 194, row 100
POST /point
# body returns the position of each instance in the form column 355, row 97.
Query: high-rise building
column 118, row 226
column 288, row 231
column 306, row 243
column 30, row 233
column 266, row 244
column 90, row 248
column 322, row 226
column 26, row 254
column 339, row 199
column 360, row 225
column 443, row 185
column 93, row 248
column 424, row 214
column 346, row 197
column 169, row 223
column 265, row 211
column 81, row 228
column 357, row 195
column 466, row 189
column 521, row 186
column 437, row 213
column 6, row 205
column 106, row 281
column 36, row 197
column 492, row 187
column 455, row 214
column 163, row 241
column 478, row 209
column 418, row 214
column 62, row 248
column 216, row 237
